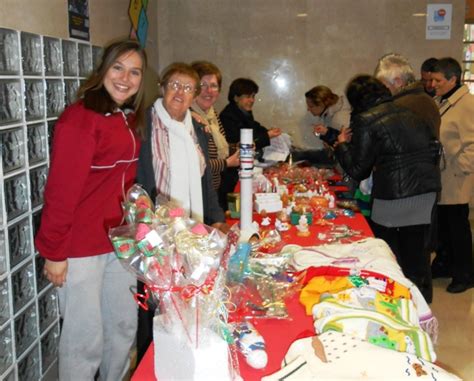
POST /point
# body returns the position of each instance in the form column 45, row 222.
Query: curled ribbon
column 141, row 299
column 189, row 291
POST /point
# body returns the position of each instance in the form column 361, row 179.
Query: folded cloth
column 379, row 328
column 337, row 356
column 367, row 298
column 329, row 282
column 318, row 285
column 357, row 258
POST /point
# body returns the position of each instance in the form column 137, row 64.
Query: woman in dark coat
column 401, row 151
column 235, row 116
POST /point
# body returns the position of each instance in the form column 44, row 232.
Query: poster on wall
column 438, row 21
column 78, row 11
column 137, row 13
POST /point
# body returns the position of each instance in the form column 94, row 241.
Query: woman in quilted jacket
column 401, row 151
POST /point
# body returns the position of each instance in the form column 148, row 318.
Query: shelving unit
column 468, row 56
column 39, row 76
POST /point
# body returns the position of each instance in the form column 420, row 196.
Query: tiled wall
column 39, row 76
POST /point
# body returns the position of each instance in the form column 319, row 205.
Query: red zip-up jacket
column 94, row 158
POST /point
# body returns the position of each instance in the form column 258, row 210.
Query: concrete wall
column 284, row 53
column 287, row 54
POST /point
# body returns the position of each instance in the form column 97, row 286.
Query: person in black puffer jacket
column 401, row 151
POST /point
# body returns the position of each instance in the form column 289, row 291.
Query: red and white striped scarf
column 178, row 161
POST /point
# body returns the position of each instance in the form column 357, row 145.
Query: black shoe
column 456, row 287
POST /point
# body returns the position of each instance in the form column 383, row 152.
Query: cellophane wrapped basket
column 183, row 263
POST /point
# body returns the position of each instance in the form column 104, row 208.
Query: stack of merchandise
column 371, row 322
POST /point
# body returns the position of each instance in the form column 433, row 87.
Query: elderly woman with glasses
column 174, row 163
column 173, row 160
column 204, row 112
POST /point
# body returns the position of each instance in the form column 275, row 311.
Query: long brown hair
column 96, row 97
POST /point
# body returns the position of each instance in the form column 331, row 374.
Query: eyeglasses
column 176, row 85
column 210, row 86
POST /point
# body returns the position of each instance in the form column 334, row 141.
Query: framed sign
column 438, row 21
column 78, row 13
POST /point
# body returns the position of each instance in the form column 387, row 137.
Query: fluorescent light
column 301, row 15
column 419, row 14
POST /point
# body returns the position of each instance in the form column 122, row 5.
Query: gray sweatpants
column 100, row 319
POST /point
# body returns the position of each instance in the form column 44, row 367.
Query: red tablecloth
column 278, row 334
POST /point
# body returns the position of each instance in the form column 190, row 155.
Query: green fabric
column 363, row 201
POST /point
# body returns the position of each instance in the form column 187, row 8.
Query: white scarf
column 211, row 118
column 185, row 163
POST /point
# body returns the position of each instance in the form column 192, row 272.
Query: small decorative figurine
column 281, row 222
column 331, row 200
column 303, row 229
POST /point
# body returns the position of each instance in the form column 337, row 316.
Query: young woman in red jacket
column 95, row 151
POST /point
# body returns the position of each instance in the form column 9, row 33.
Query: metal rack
column 468, row 56
column 39, row 76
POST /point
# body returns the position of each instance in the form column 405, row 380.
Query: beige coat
column 457, row 137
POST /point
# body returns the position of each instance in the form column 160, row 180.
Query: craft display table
column 278, row 334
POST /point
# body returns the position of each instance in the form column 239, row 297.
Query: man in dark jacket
column 399, row 149
column 426, row 71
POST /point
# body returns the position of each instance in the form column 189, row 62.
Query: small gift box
column 269, row 202
column 295, row 217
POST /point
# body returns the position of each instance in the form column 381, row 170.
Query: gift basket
column 183, row 264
